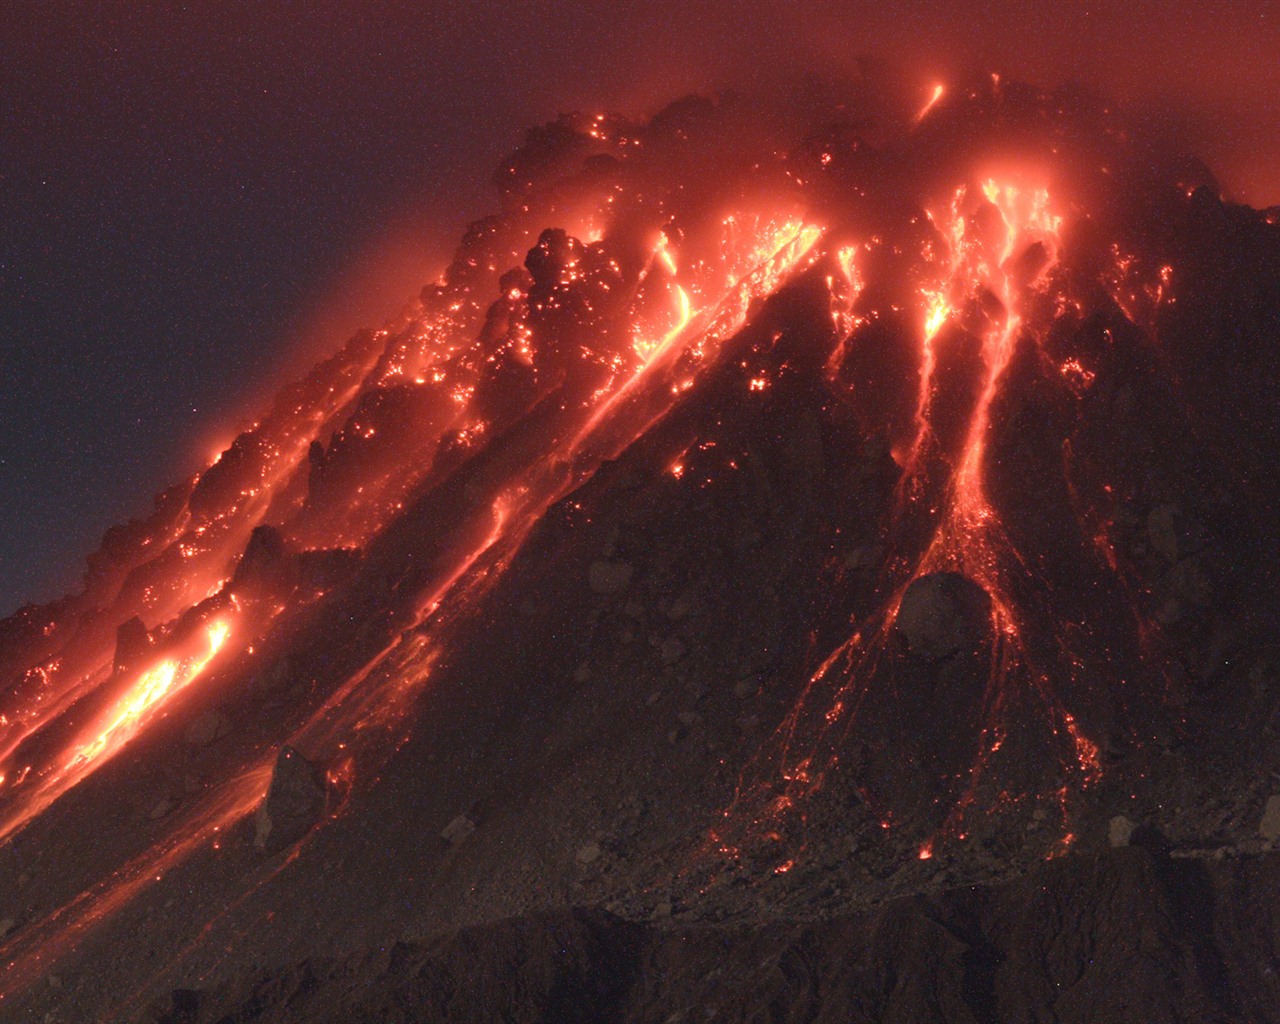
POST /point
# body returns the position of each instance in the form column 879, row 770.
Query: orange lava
column 111, row 731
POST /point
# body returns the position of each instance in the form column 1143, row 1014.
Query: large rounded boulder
column 943, row 613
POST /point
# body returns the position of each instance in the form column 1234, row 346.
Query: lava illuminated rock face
column 945, row 428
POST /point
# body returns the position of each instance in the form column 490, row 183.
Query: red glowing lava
column 673, row 323
column 333, row 553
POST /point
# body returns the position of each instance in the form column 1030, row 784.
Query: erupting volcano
column 774, row 510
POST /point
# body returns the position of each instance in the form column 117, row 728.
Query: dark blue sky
column 196, row 200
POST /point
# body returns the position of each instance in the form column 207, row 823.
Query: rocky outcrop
column 1112, row 939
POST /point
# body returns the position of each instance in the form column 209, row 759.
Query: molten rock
column 943, row 613
column 295, row 802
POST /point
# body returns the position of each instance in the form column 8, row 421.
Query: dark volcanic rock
column 133, row 643
column 1122, row 937
column 943, row 613
column 265, row 562
column 458, row 830
column 321, row 570
column 294, row 803
column 1269, row 826
column 575, row 966
column 207, row 728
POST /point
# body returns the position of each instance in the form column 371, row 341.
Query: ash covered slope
column 842, row 502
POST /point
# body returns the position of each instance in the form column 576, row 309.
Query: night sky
column 198, row 200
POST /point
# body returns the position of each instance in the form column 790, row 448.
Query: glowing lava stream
column 402, row 668
column 775, row 255
column 383, row 692
column 1026, row 220
column 934, row 96
column 774, row 258
column 104, row 738
column 92, row 670
column 967, row 538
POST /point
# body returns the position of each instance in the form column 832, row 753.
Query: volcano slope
column 802, row 561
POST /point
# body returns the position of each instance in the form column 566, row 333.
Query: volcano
column 803, row 560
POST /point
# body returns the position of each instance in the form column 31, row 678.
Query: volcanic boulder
column 133, row 643
column 943, row 613
column 265, row 564
column 295, row 802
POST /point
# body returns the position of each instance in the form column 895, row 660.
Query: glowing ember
column 934, row 96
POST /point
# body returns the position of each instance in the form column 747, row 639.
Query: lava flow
column 109, row 731
column 1000, row 243
column 885, row 345
column 564, row 407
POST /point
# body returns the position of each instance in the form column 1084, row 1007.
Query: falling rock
column 295, row 802
column 1269, row 827
column 1120, row 830
column 316, row 458
column 942, row 613
column 458, row 830
column 207, row 728
column 609, row 577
